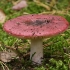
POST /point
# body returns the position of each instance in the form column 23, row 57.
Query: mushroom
column 36, row 27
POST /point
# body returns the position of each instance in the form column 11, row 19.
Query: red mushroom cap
column 32, row 26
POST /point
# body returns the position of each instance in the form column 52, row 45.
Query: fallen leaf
column 7, row 56
column 19, row 5
column 2, row 16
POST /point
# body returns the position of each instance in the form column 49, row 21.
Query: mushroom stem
column 36, row 53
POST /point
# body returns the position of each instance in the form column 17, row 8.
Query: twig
column 56, row 12
column 4, row 65
column 41, row 4
column 52, row 3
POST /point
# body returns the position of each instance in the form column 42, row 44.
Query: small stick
column 43, row 5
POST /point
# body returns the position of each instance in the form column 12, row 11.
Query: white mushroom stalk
column 36, row 53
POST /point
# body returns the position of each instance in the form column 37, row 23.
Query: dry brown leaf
column 2, row 16
column 7, row 56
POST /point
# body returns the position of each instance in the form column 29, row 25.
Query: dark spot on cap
column 12, row 27
column 39, row 33
column 28, row 22
column 56, row 26
column 48, row 21
column 53, row 18
column 36, row 22
column 59, row 19
column 24, row 30
column 38, row 18
column 40, row 26
column 18, row 23
column 39, row 22
column 9, row 29
column 31, row 29
column 33, row 33
column 19, row 33
column 47, row 27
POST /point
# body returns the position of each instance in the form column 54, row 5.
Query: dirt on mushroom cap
column 32, row 26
